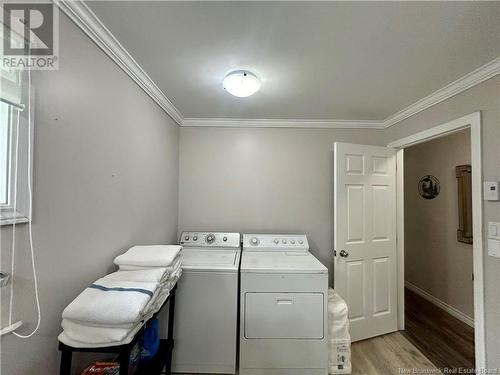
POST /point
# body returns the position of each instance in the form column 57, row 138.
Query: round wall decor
column 429, row 187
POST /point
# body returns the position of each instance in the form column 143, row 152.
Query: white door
column 365, row 237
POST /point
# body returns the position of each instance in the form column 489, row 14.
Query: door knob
column 344, row 253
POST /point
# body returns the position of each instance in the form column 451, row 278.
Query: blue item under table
column 150, row 340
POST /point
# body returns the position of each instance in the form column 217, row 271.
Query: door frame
column 472, row 122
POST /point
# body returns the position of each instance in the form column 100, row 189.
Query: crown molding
column 281, row 123
column 469, row 80
column 91, row 25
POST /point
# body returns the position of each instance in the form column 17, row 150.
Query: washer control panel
column 278, row 242
column 210, row 239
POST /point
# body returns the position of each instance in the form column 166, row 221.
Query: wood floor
column 388, row 354
column 445, row 340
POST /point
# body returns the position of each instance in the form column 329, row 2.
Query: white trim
column 474, row 78
column 281, row 123
column 472, row 121
column 477, row 233
column 442, row 305
column 436, row 132
column 91, row 25
column 400, row 235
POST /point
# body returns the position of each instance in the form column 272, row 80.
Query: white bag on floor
column 338, row 331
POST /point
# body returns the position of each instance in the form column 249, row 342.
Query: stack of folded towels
column 114, row 308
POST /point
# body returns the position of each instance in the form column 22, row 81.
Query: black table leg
column 171, row 311
column 66, row 356
column 124, row 361
column 170, row 338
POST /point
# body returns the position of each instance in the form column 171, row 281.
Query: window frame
column 22, row 212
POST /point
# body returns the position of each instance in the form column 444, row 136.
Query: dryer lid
column 281, row 262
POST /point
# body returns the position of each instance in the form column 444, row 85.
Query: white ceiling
column 321, row 60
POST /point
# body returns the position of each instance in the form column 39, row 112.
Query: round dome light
column 241, row 83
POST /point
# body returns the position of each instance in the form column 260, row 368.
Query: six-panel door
column 365, row 237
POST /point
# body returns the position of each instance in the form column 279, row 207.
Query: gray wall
column 263, row 180
column 485, row 98
column 105, row 178
column 431, row 224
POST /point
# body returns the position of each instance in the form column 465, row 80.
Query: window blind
column 10, row 79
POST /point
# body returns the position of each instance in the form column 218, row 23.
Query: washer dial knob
column 254, row 241
column 276, row 241
column 210, row 238
column 195, row 238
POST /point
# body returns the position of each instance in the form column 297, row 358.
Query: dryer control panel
column 275, row 242
column 210, row 239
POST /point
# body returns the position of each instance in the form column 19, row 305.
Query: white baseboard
column 443, row 305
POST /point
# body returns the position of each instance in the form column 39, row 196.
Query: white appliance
column 283, row 307
column 206, row 306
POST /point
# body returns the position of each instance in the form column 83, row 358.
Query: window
column 5, row 121
column 15, row 147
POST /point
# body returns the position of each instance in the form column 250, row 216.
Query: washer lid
column 214, row 260
column 281, row 262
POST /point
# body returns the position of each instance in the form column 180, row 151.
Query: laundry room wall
column 431, row 224
column 263, row 180
column 105, row 178
column 484, row 97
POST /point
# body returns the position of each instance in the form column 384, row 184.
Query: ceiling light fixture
column 241, row 83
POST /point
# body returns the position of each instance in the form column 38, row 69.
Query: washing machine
column 206, row 306
column 283, row 307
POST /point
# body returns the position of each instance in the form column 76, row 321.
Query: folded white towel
column 96, row 335
column 152, row 275
column 175, row 264
column 81, row 333
column 65, row 339
column 111, row 302
column 161, row 297
column 149, row 256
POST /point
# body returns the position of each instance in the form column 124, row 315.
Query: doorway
column 472, row 124
column 439, row 305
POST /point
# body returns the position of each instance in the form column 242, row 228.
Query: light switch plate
column 491, row 191
column 494, row 239
column 494, row 230
column 494, row 248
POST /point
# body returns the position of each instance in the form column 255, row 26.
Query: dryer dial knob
column 186, row 238
column 276, row 241
column 210, row 238
column 254, row 241
column 195, row 238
